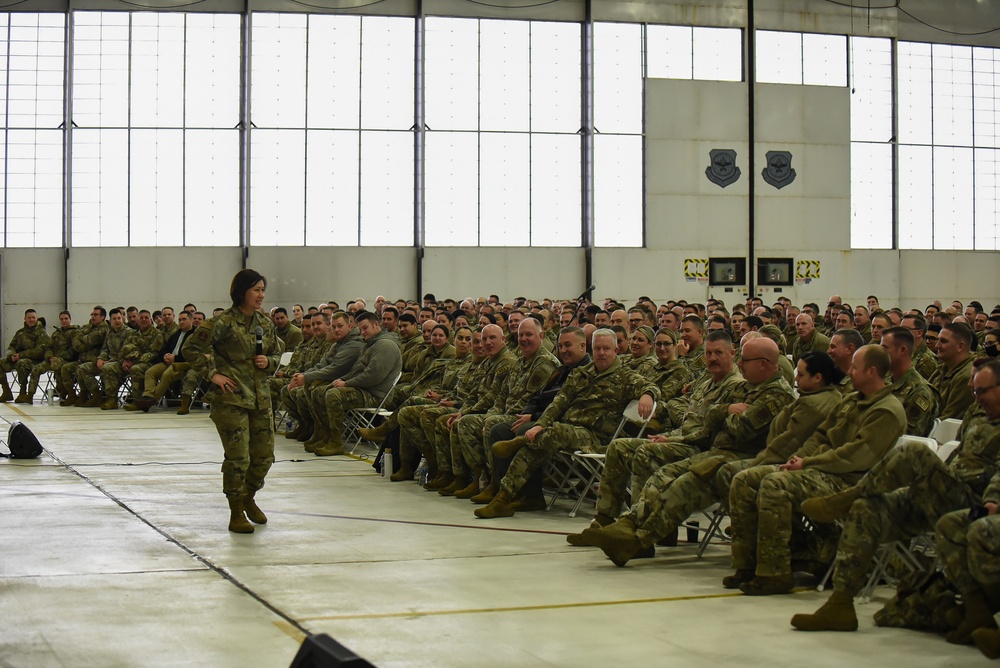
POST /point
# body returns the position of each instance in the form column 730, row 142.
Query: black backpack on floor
column 22, row 443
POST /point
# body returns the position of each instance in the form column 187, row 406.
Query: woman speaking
column 235, row 350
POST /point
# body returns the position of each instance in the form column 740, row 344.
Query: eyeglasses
column 663, row 344
column 980, row 391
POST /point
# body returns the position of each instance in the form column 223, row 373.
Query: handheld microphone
column 260, row 339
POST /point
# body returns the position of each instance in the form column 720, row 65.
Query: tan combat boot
column 487, row 494
column 837, row 614
column 442, row 480
column 829, row 509
column 508, row 449
column 94, row 402
column 579, row 540
column 977, row 616
column 23, row 398
column 502, row 505
column 185, row 407
column 7, row 395
column 739, row 577
column 110, row 405
column 472, row 488
column 253, row 511
column 456, row 484
column 768, row 585
column 376, row 435
column 237, row 519
column 988, row 642
column 69, row 399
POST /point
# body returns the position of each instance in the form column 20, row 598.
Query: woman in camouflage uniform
column 225, row 351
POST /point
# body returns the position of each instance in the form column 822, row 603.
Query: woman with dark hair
column 235, row 351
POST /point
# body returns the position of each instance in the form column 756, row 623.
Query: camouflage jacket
column 525, row 378
column 857, row 434
column 924, row 361
column 697, row 428
column 427, row 355
column 953, row 388
column 671, row 378
column 747, row 432
column 143, row 347
column 796, row 423
column 89, row 341
column 595, row 399
column 494, row 372
column 977, row 459
column 61, row 343
column 408, row 349
column 920, row 401
column 115, row 344
column 227, row 344
column 338, row 360
column 818, row 341
column 29, row 342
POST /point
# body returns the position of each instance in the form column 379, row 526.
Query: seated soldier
column 763, row 500
column 111, row 357
column 139, row 354
column 579, row 418
column 167, row 367
column 26, row 349
column 919, row 399
column 902, row 496
column 290, row 335
column 951, row 379
column 59, row 352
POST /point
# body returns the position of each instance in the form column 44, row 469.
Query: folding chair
column 280, row 414
column 945, row 430
column 715, row 514
column 364, row 418
column 47, row 381
column 584, row 469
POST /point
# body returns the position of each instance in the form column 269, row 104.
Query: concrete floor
column 114, row 552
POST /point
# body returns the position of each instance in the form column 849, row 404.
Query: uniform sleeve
column 805, row 417
column 198, row 347
column 879, row 430
column 754, row 422
column 37, row 350
column 380, row 365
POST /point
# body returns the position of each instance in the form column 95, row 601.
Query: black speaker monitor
column 322, row 651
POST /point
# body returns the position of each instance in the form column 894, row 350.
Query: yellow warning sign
column 807, row 269
column 695, row 268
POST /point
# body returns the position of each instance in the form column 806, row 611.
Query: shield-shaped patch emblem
column 779, row 172
column 722, row 170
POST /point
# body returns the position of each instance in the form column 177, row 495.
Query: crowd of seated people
column 777, row 413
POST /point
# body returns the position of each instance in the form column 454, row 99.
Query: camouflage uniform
column 904, row 494
column 291, row 336
column 141, row 349
column 970, row 551
column 689, row 438
column 366, row 384
column 671, row 378
column 920, row 401
column 526, row 376
column 924, row 361
column 695, row 361
column 409, row 350
column 308, row 402
column 952, row 386
column 111, row 372
column 87, row 345
column 243, row 417
column 59, row 352
column 302, row 358
column 495, row 374
column 583, row 414
column 676, row 490
column 763, row 500
column 818, row 341
column 30, row 343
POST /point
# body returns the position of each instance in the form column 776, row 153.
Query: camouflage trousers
column 412, row 438
column 470, row 439
column 502, row 431
column 899, row 515
column 275, row 386
column 248, row 442
column 339, row 400
column 21, row 369
column 42, row 367
column 969, row 551
column 674, row 492
column 763, row 502
column 298, row 401
column 111, row 374
column 159, row 377
column 532, row 457
column 629, row 464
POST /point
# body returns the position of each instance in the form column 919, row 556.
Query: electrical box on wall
column 774, row 271
column 727, row 271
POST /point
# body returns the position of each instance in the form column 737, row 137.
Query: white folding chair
column 945, row 430
column 584, row 469
column 364, row 418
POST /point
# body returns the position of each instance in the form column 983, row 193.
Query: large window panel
column 504, row 190
column 987, row 198
column 952, row 89
column 986, row 97
column 33, row 189
column 871, row 195
column 871, row 89
column 669, row 52
column 503, row 75
column 156, row 97
column 914, row 75
column 332, row 187
column 452, row 78
column 451, row 203
column 718, row 54
column 916, row 202
column 277, row 187
column 334, row 75
column 618, row 77
column 32, row 70
column 156, row 188
column 618, row 207
column 779, row 57
column 386, row 189
column 100, row 188
column 278, row 71
column 212, row 66
column 556, row 211
column 555, row 77
column 824, row 60
column 387, row 73
column 953, row 193
column 212, row 188
column 101, row 69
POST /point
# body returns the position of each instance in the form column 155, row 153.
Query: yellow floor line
column 290, row 630
column 19, row 412
column 523, row 608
